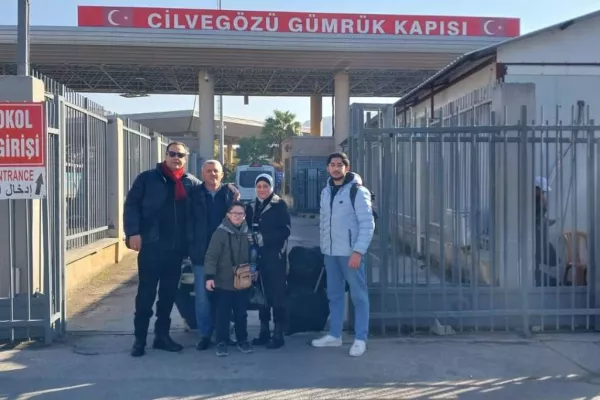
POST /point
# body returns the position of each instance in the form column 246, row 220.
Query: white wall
column 479, row 79
column 579, row 43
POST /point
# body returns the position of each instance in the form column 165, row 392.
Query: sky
column 533, row 15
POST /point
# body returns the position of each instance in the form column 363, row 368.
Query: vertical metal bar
column 61, row 214
column 544, row 164
column 591, row 217
column 559, row 187
column 523, row 211
column 23, row 38
column 505, row 186
column 396, row 236
column 413, row 166
column 594, row 242
column 427, row 217
column 492, row 220
column 474, row 231
column 47, row 268
column 573, row 198
column 11, row 263
column 442, row 236
column 29, row 259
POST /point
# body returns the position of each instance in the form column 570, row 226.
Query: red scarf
column 175, row 176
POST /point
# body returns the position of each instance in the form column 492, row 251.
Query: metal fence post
column 523, row 218
column 385, row 238
column 60, row 210
column 594, row 240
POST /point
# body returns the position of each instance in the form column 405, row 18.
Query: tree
column 281, row 126
column 252, row 149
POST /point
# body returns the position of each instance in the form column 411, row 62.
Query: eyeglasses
column 237, row 214
column 176, row 154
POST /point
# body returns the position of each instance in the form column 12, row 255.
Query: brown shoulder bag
column 242, row 276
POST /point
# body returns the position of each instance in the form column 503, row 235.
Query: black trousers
column 228, row 302
column 274, row 276
column 162, row 269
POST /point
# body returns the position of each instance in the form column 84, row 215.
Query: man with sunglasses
column 157, row 211
column 210, row 202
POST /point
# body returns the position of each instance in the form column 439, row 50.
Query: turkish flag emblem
column 119, row 17
column 494, row 27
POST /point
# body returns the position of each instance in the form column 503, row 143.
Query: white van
column 245, row 176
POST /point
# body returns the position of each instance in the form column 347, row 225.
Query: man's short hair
column 212, row 162
column 340, row 155
column 177, row 144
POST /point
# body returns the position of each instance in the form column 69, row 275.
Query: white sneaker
column 358, row 348
column 327, row 341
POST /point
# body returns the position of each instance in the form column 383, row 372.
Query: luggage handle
column 319, row 280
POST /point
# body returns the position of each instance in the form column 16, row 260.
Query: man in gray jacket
column 346, row 230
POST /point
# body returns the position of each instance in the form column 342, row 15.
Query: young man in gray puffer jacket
column 346, row 231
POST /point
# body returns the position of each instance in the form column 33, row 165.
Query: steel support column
column 316, row 114
column 206, row 104
column 342, row 107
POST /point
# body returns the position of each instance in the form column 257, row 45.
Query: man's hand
column 236, row 192
column 251, row 239
column 135, row 242
column 355, row 260
column 210, row 285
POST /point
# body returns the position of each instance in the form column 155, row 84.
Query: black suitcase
column 306, row 264
column 185, row 300
column 307, row 307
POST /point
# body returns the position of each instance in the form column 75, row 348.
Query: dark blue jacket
column 145, row 202
column 207, row 213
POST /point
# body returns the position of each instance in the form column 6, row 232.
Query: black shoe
column 277, row 340
column 222, row 349
column 203, row 344
column 139, row 348
column 244, row 347
column 264, row 335
column 164, row 342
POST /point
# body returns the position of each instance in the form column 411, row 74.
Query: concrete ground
column 93, row 361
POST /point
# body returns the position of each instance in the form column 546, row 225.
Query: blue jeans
column 338, row 273
column 203, row 308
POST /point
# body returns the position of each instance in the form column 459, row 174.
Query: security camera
column 206, row 77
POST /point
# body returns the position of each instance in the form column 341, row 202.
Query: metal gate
column 308, row 183
column 460, row 244
column 32, row 297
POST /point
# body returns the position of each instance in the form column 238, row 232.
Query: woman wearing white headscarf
column 268, row 217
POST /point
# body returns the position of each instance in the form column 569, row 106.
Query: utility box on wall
column 305, row 174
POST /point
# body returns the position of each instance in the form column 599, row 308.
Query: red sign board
column 295, row 22
column 22, row 134
column 22, row 150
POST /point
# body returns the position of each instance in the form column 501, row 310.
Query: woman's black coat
column 274, row 225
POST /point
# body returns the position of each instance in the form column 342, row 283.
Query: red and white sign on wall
column 23, row 133
column 295, row 22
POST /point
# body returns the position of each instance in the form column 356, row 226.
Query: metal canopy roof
column 147, row 61
column 183, row 125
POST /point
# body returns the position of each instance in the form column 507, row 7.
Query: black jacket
column 274, row 224
column 207, row 213
column 146, row 200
